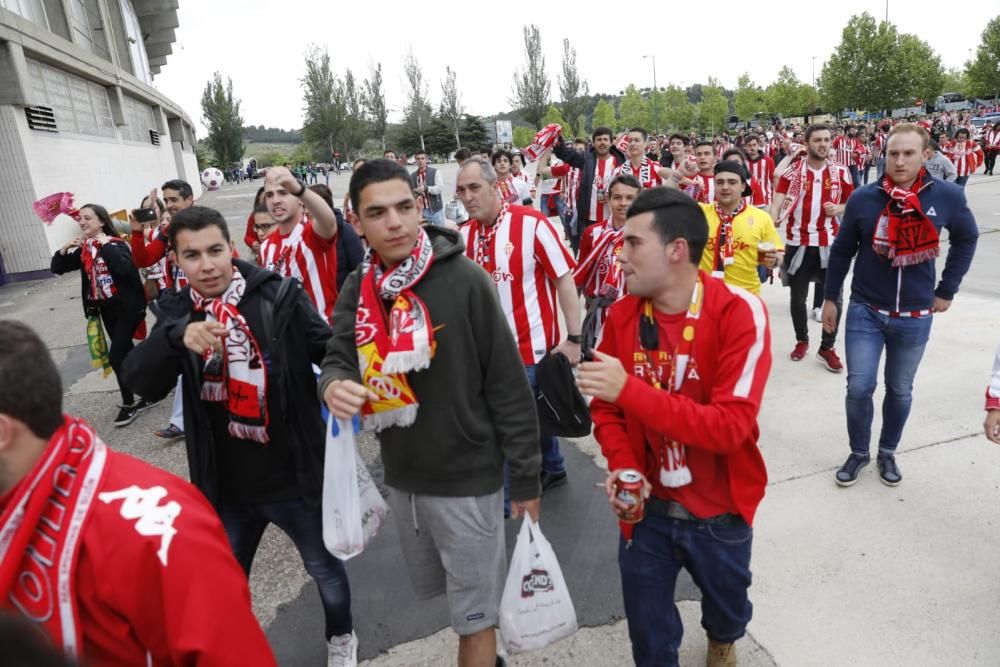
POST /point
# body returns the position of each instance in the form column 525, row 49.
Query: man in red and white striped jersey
column 761, row 169
column 965, row 154
column 992, row 423
column 809, row 199
column 304, row 246
column 704, row 188
column 843, row 147
column 991, row 146
column 523, row 253
column 638, row 165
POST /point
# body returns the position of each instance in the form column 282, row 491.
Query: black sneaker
column 142, row 404
column 126, row 415
column 888, row 471
column 550, row 480
column 848, row 473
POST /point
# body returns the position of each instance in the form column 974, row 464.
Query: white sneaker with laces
column 343, row 651
column 817, row 314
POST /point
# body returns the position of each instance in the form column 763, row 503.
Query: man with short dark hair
column 675, row 155
column 703, row 189
column 245, row 339
column 117, row 562
column 808, row 201
column 677, row 382
column 761, row 169
column 639, row 165
column 891, row 229
column 427, row 185
column 419, row 349
column 597, row 167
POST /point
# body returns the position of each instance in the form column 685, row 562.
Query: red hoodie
column 715, row 412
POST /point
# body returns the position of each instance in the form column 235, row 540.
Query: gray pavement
column 869, row 575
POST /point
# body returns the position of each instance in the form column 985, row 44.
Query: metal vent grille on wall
column 154, row 137
column 41, row 118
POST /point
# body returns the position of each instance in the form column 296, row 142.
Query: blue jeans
column 903, row 339
column 245, row 525
column 552, row 459
column 962, row 180
column 855, row 176
column 436, row 217
column 879, row 168
column 718, row 559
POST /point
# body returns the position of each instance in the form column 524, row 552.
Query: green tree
column 325, row 114
column 633, row 110
column 532, row 85
column 581, row 128
column 922, row 74
column 473, row 132
column 553, row 115
column 572, row 89
column 657, row 109
column 356, row 126
column 713, row 111
column 418, row 107
column 221, row 112
column 983, row 72
column 955, row 81
column 748, row 99
column 523, row 136
column 440, row 136
column 678, row 110
column 604, row 116
column 373, row 98
column 785, row 95
column 451, row 103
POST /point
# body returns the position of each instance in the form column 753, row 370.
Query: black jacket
column 294, row 337
column 586, row 162
column 350, row 251
column 476, row 408
column 128, row 286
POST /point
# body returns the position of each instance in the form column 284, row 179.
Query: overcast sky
column 260, row 44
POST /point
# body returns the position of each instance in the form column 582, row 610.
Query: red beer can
column 628, row 490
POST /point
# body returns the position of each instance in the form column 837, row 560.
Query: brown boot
column 720, row 654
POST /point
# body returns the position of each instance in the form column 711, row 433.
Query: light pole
column 652, row 99
column 814, row 71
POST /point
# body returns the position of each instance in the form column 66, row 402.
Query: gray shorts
column 455, row 546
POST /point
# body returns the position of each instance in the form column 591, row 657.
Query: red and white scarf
column 41, row 522
column 237, row 375
column 544, row 139
column 797, row 174
column 904, row 233
column 644, row 176
column 102, row 285
column 422, row 183
column 724, row 240
column 391, row 344
column 674, row 471
column 599, row 273
column 507, row 190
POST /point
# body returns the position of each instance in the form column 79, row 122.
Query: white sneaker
column 817, row 314
column 343, row 651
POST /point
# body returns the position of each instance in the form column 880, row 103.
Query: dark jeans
column 855, row 176
column 718, row 559
column 962, row 180
column 903, row 338
column 991, row 160
column 245, row 525
column 810, row 270
column 552, row 459
column 865, row 172
column 120, row 325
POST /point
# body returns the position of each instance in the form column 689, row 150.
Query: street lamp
column 814, row 71
column 652, row 99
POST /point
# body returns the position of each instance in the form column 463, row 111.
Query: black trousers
column 991, row 160
column 120, row 324
column 811, row 270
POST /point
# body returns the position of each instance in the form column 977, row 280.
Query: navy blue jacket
column 586, row 162
column 876, row 282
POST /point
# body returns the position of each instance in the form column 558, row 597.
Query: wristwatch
column 575, row 338
column 302, row 188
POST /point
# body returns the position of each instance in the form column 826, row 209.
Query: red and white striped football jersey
column 807, row 223
column 603, row 173
column 843, row 147
column 525, row 256
column 645, row 173
column 705, row 190
column 569, row 184
column 307, row 256
column 762, row 180
column 967, row 156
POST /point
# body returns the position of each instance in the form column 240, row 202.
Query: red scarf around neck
column 41, row 523
column 237, row 376
column 904, row 234
column 724, row 239
column 102, row 285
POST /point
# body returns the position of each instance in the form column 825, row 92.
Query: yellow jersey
column 750, row 227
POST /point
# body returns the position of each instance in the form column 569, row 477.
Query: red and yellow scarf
column 237, row 375
column 904, row 234
column 102, row 285
column 394, row 342
column 672, row 455
column 41, row 522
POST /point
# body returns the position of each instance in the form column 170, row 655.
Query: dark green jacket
column 476, row 408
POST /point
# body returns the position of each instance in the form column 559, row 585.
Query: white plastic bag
column 353, row 509
column 535, row 609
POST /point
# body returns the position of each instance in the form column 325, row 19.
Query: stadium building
column 79, row 113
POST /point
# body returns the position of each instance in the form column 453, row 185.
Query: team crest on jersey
column 508, row 249
column 152, row 519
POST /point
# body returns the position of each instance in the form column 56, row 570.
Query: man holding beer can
column 740, row 237
column 677, row 382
